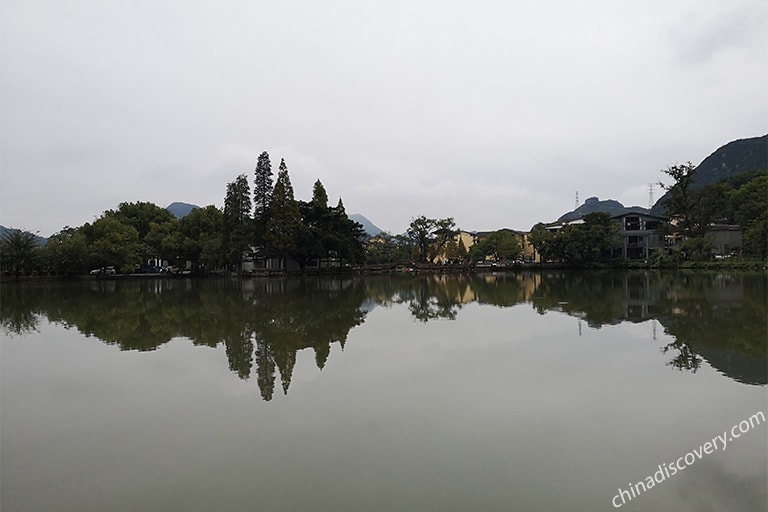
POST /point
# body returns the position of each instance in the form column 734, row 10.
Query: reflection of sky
column 368, row 305
column 501, row 406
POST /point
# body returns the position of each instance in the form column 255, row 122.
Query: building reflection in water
column 264, row 323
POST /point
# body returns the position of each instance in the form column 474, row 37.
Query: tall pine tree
column 319, row 196
column 262, row 195
column 237, row 220
column 284, row 223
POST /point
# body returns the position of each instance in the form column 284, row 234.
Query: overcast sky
column 495, row 113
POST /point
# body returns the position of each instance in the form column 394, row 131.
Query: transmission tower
column 650, row 195
column 577, row 199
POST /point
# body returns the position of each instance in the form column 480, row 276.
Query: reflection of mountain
column 720, row 318
column 266, row 322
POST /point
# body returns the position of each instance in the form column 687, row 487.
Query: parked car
column 108, row 271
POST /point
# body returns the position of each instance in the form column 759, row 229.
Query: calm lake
column 496, row 392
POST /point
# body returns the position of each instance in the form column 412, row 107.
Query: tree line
column 741, row 200
column 269, row 221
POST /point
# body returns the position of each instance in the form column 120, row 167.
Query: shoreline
column 402, row 269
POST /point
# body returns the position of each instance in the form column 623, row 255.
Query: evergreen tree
column 237, row 219
column 262, row 195
column 320, row 197
column 347, row 236
column 284, row 221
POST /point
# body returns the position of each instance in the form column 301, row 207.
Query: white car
column 109, row 271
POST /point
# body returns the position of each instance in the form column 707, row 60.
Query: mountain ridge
column 594, row 204
column 370, row 228
column 180, row 210
column 736, row 157
column 41, row 240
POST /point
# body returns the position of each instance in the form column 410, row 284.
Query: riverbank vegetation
column 267, row 221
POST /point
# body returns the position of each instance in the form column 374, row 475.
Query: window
column 632, row 223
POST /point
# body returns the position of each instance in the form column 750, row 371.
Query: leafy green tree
column 141, row 216
column 386, row 248
column 680, row 202
column 444, row 232
column 19, row 252
column 596, row 240
column 237, row 220
column 161, row 241
column 112, row 243
column 543, row 241
column 154, row 225
column 750, row 204
column 199, row 238
column 501, row 245
column 694, row 208
column 66, row 252
column 262, row 195
column 420, row 233
column 429, row 236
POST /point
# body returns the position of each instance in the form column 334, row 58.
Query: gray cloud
column 720, row 30
column 494, row 113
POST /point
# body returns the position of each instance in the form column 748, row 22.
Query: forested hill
column 593, row 204
column 4, row 231
column 370, row 228
column 737, row 157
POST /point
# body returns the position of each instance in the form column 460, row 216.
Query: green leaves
column 19, row 252
column 429, row 236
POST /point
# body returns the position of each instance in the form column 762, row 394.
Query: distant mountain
column 737, row 157
column 40, row 240
column 370, row 228
column 593, row 204
column 180, row 210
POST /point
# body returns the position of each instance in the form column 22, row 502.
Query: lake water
column 530, row 392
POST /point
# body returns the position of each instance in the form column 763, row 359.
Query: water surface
column 488, row 392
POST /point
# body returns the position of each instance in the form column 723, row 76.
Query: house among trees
column 726, row 239
column 640, row 234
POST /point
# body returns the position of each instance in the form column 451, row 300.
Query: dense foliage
column 141, row 236
column 595, row 240
column 501, row 245
column 741, row 199
column 269, row 222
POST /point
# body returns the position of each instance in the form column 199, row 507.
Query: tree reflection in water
column 720, row 318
